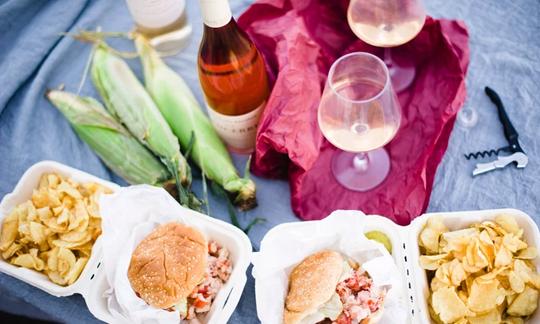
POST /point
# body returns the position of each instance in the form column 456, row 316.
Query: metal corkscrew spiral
column 487, row 153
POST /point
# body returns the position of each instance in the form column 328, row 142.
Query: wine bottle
column 233, row 77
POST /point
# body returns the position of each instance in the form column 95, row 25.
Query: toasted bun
column 311, row 284
column 168, row 264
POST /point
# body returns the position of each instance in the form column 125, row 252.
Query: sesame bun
column 168, row 264
column 312, row 283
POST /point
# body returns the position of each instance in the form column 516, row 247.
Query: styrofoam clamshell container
column 92, row 282
column 224, row 304
column 23, row 192
column 406, row 252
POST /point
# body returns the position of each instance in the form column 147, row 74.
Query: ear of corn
column 118, row 149
column 184, row 115
column 128, row 101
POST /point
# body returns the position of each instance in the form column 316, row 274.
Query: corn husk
column 186, row 118
column 127, row 100
column 118, row 149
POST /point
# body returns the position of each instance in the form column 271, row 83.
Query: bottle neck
column 216, row 13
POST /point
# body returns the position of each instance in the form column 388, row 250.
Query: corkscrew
column 516, row 156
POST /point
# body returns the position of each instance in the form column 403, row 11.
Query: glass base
column 361, row 171
column 402, row 76
column 467, row 117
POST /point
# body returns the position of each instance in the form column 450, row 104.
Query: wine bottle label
column 156, row 13
column 216, row 13
column 238, row 132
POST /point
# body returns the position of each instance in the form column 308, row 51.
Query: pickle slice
column 380, row 237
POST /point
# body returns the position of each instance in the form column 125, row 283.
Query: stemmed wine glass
column 388, row 23
column 359, row 113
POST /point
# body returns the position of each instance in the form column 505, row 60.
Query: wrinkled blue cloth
column 34, row 57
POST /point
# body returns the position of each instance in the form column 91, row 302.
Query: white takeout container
column 406, row 253
column 23, row 192
column 92, row 282
column 227, row 235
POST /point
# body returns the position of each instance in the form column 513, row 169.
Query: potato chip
column 491, row 317
column 522, row 270
column 75, row 237
column 56, row 278
column 513, row 243
column 508, row 223
column 65, row 260
column 80, row 218
column 447, row 304
column 496, row 228
column 459, row 234
column 485, row 295
column 11, row 250
column 457, row 272
column 70, row 245
column 437, row 284
column 69, row 189
column 457, row 246
column 92, row 206
column 45, row 198
column 487, row 247
column 516, row 282
column 9, row 231
column 451, row 273
column 53, row 180
column 55, row 230
column 29, row 260
column 38, row 232
column 525, row 303
column 84, row 250
column 503, row 256
column 528, row 253
column 429, row 237
column 83, row 226
column 31, row 212
column 432, row 262
column 475, row 259
column 75, row 270
column 57, row 210
column 63, row 218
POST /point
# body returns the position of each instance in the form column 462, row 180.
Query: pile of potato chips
column 481, row 274
column 54, row 231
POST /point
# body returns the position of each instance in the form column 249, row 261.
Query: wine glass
column 359, row 113
column 388, row 23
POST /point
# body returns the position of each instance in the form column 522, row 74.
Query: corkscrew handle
column 509, row 131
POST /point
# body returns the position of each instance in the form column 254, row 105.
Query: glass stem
column 387, row 57
column 361, row 161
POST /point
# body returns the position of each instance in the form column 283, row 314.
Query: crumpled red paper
column 299, row 40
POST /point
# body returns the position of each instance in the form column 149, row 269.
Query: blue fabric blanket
column 34, row 57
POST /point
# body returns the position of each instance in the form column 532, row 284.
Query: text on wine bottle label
column 238, row 132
